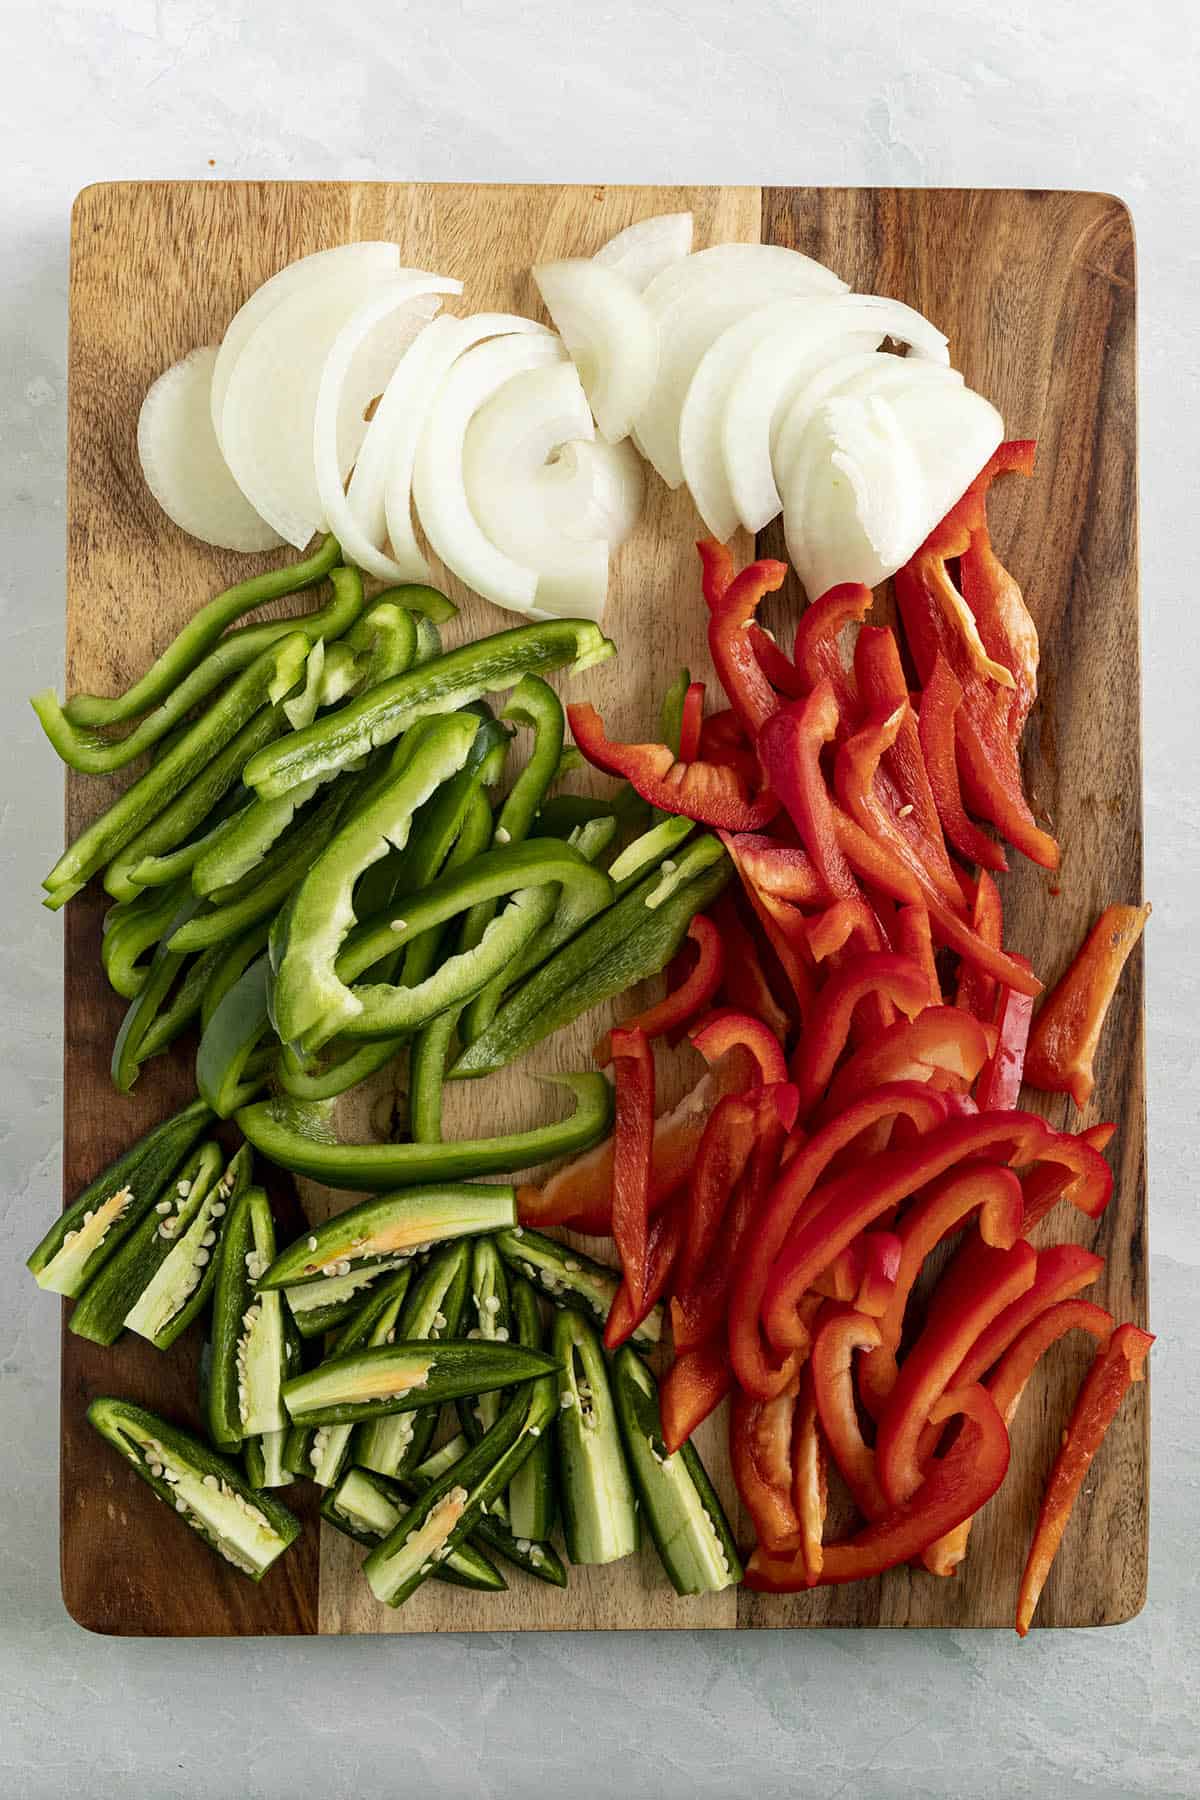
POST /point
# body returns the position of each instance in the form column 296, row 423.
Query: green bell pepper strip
column 183, row 1007
column 398, row 1377
column 570, row 1278
column 327, row 1447
column 129, row 1047
column 365, row 1507
column 649, row 851
column 435, row 1308
column 205, row 1490
column 229, row 962
column 539, row 1559
column 384, row 642
column 173, row 865
column 490, row 1314
column 624, row 945
column 563, row 813
column 304, row 1141
column 183, row 1281
column 239, row 845
column 429, row 641
column 598, row 1502
column 268, row 677
column 451, row 1508
column 391, row 1228
column 532, row 1492
column 686, row 1519
column 202, row 631
column 311, row 1002
column 112, row 1295
column 427, row 602
column 670, row 719
column 228, row 1073
column 99, row 1219
column 130, row 929
column 441, row 686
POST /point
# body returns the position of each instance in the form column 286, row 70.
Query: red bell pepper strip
column 941, row 699
column 783, row 870
column 662, row 1248
column 954, row 1489
column 716, row 571
column 810, row 1490
column 912, row 937
column 977, row 990
column 720, row 1162
column 881, row 1269
column 691, row 721
column 1004, row 622
column 703, row 791
column 832, row 929
column 723, row 741
column 633, row 1142
column 745, row 983
column 789, row 747
column 718, row 1031
column 827, row 1029
column 940, row 1037
column 999, row 1083
column 747, row 689
column 1066, row 1032
column 783, row 926
column 1112, row 1373
column 692, row 1388
column 817, row 654
column 679, row 1008
column 861, row 794
column 779, row 671
column 758, row 1369
column 882, row 688
column 833, row 1381
column 1046, row 1185
column 967, row 1300
column 760, row 1451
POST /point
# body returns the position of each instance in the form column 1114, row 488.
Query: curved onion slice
column 595, row 490
column 873, row 475
column 267, row 419
column 182, row 460
column 780, row 354
column 610, row 334
column 380, row 491
column 438, row 486
column 693, row 302
column 504, row 466
column 360, row 363
column 868, row 372
column 370, row 261
column 645, row 249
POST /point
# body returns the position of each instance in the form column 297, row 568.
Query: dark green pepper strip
column 311, row 1001
column 391, row 1228
column 205, row 1490
column 274, row 670
column 434, row 1309
column 623, row 946
column 452, row 1507
column 442, row 686
column 182, row 1008
column 227, row 1072
column 539, row 1559
column 129, row 1048
column 304, row 1142
column 598, row 1502
column 99, row 1219
column 183, row 1281
column 429, row 641
column 365, row 1507
column 401, row 1376
column 686, row 1519
column 532, row 1493
column 671, row 723
column 427, row 602
column 203, row 630
column 325, row 1306
column 133, row 927
column 101, row 1312
column 375, row 1322
column 490, row 1314
column 229, row 963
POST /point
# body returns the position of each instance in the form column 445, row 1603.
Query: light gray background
column 1088, row 94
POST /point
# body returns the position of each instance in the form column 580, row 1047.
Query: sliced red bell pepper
column 827, row 1029
column 633, row 1143
column 941, row 699
column 1003, row 619
column 782, row 674
column 745, row 983
column 976, row 991
column 722, row 741
column 1114, row 1370
column 706, row 792
column 720, row 1162
column 760, row 1451
column 690, row 722
column 1066, row 1032
column 882, row 688
column 714, row 1035
column 760, row 1371
column 939, row 1038
column 817, row 653
column 912, row 937
column 692, row 1388
column 861, row 794
column 747, row 689
column 881, row 1270
column 954, row 1489
column 810, row 1490
column 999, row 1083
column 1046, row 1184
column 833, row 1379
column 663, row 1239
column 677, row 1010
column 716, row 571
column 783, row 870
column 783, row 926
column 789, row 747
column 830, row 930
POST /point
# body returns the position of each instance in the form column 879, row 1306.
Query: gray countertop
column 1084, row 93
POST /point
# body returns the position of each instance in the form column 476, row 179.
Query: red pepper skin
column 679, row 1008
column 691, row 722
column 720, row 1162
column 832, row 929
column 833, row 1382
column 747, row 689
column 940, row 1037
column 782, row 674
column 783, row 870
column 810, row 1490
column 1062, row 1272
column 1046, row 1185
column 782, row 924
column 977, row 990
column 941, row 700
column 912, row 937
column 999, row 1083
column 716, row 571
column 745, row 984
column 762, row 1373
column 633, row 1144
column 816, row 652
column 714, row 1035
column 954, row 1490
column 692, row 1388
column 789, row 747
column 827, row 1030
column 882, row 688
column 970, row 1296
column 862, row 795
column 1066, row 1032
column 663, row 1239
column 706, row 792
column 760, row 1451
column 1109, row 1379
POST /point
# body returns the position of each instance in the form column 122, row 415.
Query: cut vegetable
column 611, row 334
column 598, row 1503
column 644, row 249
column 399, row 1377
column 591, row 489
column 393, row 1226
column 182, row 461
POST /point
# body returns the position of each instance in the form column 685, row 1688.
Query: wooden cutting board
column 1036, row 291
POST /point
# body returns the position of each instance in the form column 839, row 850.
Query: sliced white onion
column 267, row 418
column 611, row 336
column 370, row 261
column 360, row 363
column 595, row 490
column 693, row 302
column 645, row 249
column 867, row 372
column 380, row 491
column 438, row 486
column 182, row 460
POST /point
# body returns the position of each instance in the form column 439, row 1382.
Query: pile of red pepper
column 788, row 1207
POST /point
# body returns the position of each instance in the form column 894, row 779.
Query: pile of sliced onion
column 645, row 249
column 610, row 334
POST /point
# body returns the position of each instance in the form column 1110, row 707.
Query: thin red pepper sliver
column 692, row 1388
column 691, row 721
column 882, row 688
column 833, row 1378
column 1066, row 1032
column 827, row 1030
column 745, row 984
column 976, row 989
column 789, row 746
column 715, row 1034
column 999, row 1083
column 817, row 653
column 633, row 1148
column 941, row 700
column 678, row 1009
column 747, row 689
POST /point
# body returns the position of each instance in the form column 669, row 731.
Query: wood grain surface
column 1037, row 293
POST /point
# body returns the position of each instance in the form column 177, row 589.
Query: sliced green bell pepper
column 228, row 1072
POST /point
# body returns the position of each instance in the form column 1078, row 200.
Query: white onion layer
column 610, row 334
column 595, row 490
column 645, row 249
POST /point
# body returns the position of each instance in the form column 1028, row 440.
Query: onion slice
column 182, row 460
column 438, row 485
column 693, row 302
column 643, row 250
column 595, row 490
column 610, row 334
column 867, row 372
